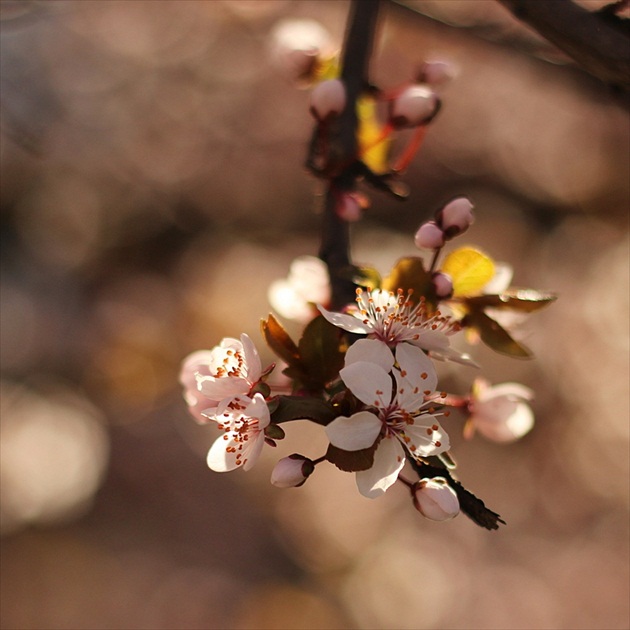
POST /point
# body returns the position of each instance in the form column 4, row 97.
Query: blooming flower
column 243, row 420
column 398, row 421
column 209, row 376
column 435, row 499
column 391, row 318
column 307, row 284
column 500, row 412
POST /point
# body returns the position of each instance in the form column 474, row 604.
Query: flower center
column 395, row 318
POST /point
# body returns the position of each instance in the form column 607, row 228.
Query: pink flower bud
column 414, row 106
column 436, row 72
column 443, row 284
column 292, row 471
column 328, row 99
column 455, row 217
column 435, row 499
column 350, row 206
column 429, row 236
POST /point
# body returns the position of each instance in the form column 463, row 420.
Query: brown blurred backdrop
column 152, row 188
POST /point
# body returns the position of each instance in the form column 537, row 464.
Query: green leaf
column 319, row 351
column 523, row 300
column 410, row 274
column 495, row 336
column 302, row 408
column 279, row 341
column 274, row 432
column 351, row 461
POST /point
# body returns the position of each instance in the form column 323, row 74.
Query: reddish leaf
column 279, row 341
column 351, row 461
column 495, row 336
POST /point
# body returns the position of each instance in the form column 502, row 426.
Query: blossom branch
column 335, row 245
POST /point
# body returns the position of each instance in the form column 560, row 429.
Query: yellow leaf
column 373, row 138
column 469, row 269
column 327, row 68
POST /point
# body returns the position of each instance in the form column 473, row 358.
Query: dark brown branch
column 342, row 152
column 598, row 44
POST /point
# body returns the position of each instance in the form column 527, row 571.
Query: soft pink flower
column 500, row 412
column 399, row 421
column 390, row 319
column 230, row 369
column 243, row 420
column 307, row 284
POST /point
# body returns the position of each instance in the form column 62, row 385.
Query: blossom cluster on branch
column 365, row 371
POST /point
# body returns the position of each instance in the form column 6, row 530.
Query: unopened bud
column 328, row 99
column 442, row 284
column 414, row 106
column 455, row 217
column 292, row 471
column 435, row 499
column 350, row 206
column 436, row 72
column 429, row 236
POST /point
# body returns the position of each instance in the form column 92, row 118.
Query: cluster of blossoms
column 366, row 372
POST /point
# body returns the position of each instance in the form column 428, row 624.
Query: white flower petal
column 346, row 322
column 507, row 424
column 389, row 460
column 357, row 432
column 193, row 364
column 252, row 449
column 416, row 373
column 258, row 409
column 217, row 389
column 427, row 437
column 219, row 459
column 371, row 351
column 252, row 359
column 369, row 382
column 513, row 391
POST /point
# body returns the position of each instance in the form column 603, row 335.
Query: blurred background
column 153, row 188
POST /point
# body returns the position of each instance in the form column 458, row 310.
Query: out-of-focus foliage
column 152, row 189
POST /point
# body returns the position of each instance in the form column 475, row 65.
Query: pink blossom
column 398, row 422
column 209, row 376
column 243, row 421
column 500, row 412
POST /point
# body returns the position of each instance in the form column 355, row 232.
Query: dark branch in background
column 335, row 246
column 598, row 41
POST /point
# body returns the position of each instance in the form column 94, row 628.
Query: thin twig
column 342, row 138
